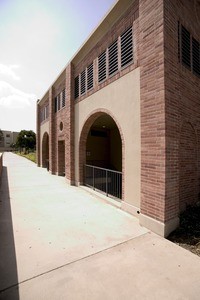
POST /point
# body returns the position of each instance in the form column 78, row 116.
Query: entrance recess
column 101, row 153
column 61, row 158
column 45, row 151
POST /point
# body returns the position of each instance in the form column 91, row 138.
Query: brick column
column 38, row 133
column 69, row 132
column 52, row 134
column 69, row 126
column 153, row 127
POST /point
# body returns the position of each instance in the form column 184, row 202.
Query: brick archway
column 188, row 166
column 45, row 150
column 83, row 140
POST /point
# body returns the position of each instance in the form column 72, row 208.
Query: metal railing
column 104, row 180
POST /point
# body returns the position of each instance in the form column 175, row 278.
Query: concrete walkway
column 61, row 242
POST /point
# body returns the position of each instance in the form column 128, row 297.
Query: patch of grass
column 31, row 156
column 188, row 233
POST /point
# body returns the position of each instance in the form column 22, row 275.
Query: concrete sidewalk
column 61, row 242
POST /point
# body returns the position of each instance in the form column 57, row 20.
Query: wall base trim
column 162, row 229
column 133, row 210
column 69, row 181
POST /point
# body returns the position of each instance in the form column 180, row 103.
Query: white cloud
column 8, row 71
column 11, row 97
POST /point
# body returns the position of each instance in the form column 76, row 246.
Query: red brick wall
column 66, row 134
column 188, row 179
column 39, row 122
column 69, row 150
column 170, row 111
column 58, row 117
column 182, row 112
column 151, row 56
column 52, row 134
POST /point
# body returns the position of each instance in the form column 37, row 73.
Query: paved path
column 61, row 242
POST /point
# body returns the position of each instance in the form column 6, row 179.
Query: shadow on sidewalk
column 8, row 264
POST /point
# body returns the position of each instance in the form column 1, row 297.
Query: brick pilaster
column 69, row 133
column 38, row 133
column 153, row 156
column 52, row 136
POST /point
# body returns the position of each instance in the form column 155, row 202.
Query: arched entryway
column 61, row 158
column 101, row 151
column 188, row 179
column 45, row 151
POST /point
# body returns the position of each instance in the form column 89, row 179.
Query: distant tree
column 13, row 146
column 26, row 140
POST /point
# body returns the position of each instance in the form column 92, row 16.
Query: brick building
column 123, row 117
column 7, row 139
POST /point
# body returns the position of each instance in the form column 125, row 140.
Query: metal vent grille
column 55, row 104
column 58, row 102
column 185, row 47
column 47, row 111
column 113, row 58
column 63, row 98
column 179, row 42
column 76, row 88
column 42, row 115
column 102, row 67
column 90, row 76
column 195, row 56
column 127, row 47
column 83, row 82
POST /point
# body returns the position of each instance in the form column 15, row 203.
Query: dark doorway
column 45, row 151
column 61, row 158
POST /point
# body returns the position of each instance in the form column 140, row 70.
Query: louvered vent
column 127, row 47
column 76, row 88
column 63, row 98
column 47, row 111
column 102, row 67
column 195, row 56
column 83, row 82
column 113, row 58
column 179, row 41
column 185, row 46
column 58, row 102
column 55, row 104
column 90, row 76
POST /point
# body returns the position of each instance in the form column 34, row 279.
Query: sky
column 37, row 39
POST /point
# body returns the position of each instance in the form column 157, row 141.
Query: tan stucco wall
column 43, row 128
column 122, row 99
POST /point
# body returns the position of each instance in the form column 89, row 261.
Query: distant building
column 123, row 117
column 7, row 139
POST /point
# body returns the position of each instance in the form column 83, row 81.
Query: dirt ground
column 188, row 234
